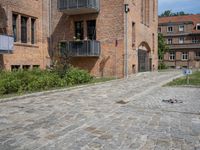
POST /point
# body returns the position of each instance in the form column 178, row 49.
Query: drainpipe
column 50, row 42
column 126, row 10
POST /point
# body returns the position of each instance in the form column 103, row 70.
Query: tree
column 162, row 47
column 166, row 13
column 169, row 13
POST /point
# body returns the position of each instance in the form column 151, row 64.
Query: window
column 184, row 55
column 26, row 67
column 36, row 66
column 181, row 40
column 198, row 54
column 91, row 29
column 169, row 41
column 181, row 28
column 15, row 67
column 159, row 30
column 14, row 26
column 172, row 55
column 79, row 30
column 133, row 34
column 170, row 29
column 198, row 27
column 32, row 31
column 195, row 40
column 24, row 29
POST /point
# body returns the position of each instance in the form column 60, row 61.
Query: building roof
column 186, row 19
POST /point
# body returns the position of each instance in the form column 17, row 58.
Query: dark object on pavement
column 172, row 101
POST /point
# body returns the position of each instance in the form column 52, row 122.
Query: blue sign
column 187, row 71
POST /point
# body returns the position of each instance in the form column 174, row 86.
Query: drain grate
column 172, row 101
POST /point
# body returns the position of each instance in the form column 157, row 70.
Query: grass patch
column 194, row 80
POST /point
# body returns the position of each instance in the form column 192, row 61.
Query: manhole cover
column 172, row 101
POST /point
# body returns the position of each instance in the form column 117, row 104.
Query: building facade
column 104, row 37
column 182, row 34
column 25, row 21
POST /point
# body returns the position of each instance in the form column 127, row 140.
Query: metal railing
column 73, row 4
column 6, row 44
column 89, row 48
column 184, row 46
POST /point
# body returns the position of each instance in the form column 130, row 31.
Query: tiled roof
column 195, row 19
column 187, row 18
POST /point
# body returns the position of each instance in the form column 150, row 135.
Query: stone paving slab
column 90, row 118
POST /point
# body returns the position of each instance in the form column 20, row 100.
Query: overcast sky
column 188, row 6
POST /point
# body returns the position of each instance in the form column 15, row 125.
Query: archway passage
column 144, row 60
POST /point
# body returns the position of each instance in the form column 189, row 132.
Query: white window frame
column 172, row 55
column 198, row 26
column 170, row 27
column 181, row 40
column 181, row 28
column 184, row 55
column 169, row 41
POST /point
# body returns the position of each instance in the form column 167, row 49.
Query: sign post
column 187, row 72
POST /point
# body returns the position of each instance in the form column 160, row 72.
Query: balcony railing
column 184, row 46
column 6, row 44
column 74, row 7
column 90, row 48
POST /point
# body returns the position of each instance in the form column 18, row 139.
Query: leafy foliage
column 169, row 13
column 162, row 46
column 38, row 80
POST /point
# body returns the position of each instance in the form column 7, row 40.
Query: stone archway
column 144, row 60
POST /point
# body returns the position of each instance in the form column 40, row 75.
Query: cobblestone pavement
column 118, row 115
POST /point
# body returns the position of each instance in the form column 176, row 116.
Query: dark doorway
column 143, row 61
column 91, row 29
column 79, row 30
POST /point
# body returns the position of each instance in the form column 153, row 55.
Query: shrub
column 37, row 80
column 162, row 66
column 77, row 76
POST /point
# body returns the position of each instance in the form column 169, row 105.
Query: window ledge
column 26, row 44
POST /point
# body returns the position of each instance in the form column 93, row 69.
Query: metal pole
column 126, row 42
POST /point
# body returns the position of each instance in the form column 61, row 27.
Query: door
column 143, row 61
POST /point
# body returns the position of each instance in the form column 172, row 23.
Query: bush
column 162, row 66
column 77, row 76
column 37, row 80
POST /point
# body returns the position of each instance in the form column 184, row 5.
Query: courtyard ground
column 117, row 115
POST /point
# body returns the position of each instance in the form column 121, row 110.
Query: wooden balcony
column 6, row 44
column 184, row 46
column 89, row 48
column 76, row 7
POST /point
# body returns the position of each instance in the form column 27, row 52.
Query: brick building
column 182, row 34
column 25, row 21
column 99, row 35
